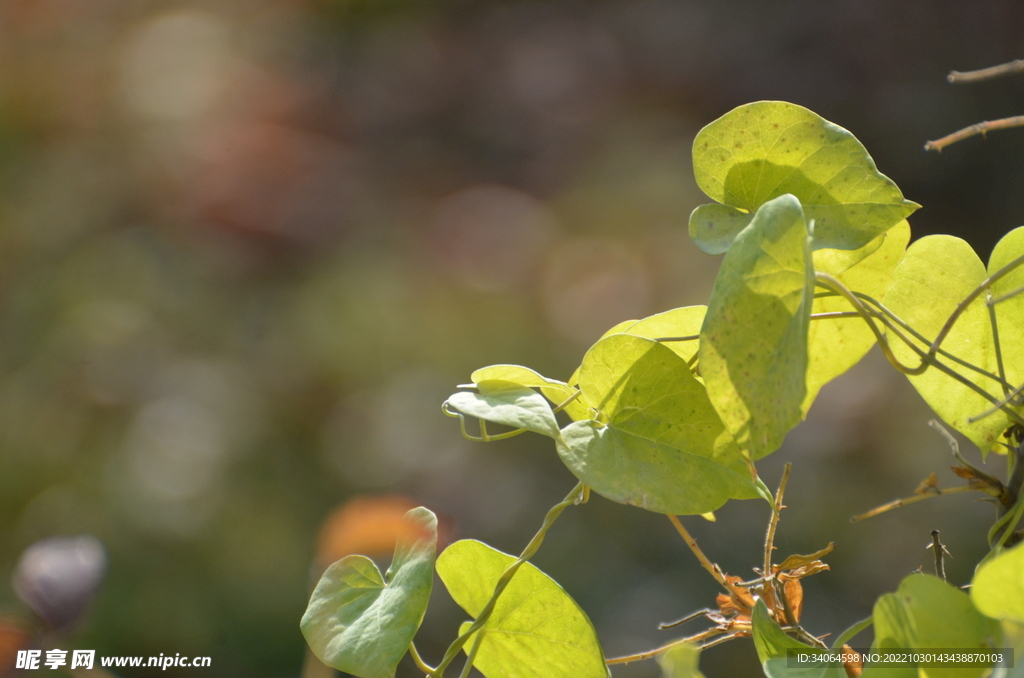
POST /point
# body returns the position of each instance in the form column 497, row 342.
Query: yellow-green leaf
column 937, row 273
column 758, row 152
column 837, row 344
column 536, row 629
column 753, row 345
column 658, row 443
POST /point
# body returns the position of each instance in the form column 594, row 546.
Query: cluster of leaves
column 671, row 412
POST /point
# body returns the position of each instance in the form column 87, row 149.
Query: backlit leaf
column 680, row 661
column 1009, row 306
column 507, row 403
column 753, row 347
column 937, row 273
column 924, row 613
column 773, row 644
column 658, row 444
column 763, row 150
column 998, row 587
column 837, row 344
column 536, row 629
column 679, row 322
column 362, row 623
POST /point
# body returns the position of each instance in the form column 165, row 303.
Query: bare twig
column 916, row 498
column 967, row 77
column 938, row 549
column 981, row 128
column 707, row 564
column 769, row 538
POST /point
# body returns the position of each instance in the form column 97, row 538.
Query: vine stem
column 426, row 668
column 692, row 543
column 927, row 358
column 576, row 496
column 967, row 77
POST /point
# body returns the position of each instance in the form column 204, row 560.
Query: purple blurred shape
column 57, row 577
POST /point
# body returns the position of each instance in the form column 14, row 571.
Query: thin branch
column 692, row 543
column 689, row 617
column 968, row 77
column 769, row 538
column 938, row 548
column 640, row 656
column 913, row 500
column 981, row 128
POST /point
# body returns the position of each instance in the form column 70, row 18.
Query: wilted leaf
column 796, row 561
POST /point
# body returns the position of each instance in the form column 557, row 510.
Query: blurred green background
column 248, row 248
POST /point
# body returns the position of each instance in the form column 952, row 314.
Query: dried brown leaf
column 799, row 561
column 853, row 668
column 929, row 485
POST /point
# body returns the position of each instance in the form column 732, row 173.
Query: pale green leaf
column 508, row 404
column 1008, row 293
column 658, row 443
column 837, row 344
column 925, row 613
column 773, row 648
column 362, row 623
column 680, row 661
column 937, row 273
column 679, row 322
column 558, row 392
column 763, row 150
column 536, row 629
column 514, row 374
column 998, row 587
column 1013, row 638
column 753, row 346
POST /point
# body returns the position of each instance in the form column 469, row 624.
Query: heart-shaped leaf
column 680, row 661
column 677, row 323
column 1008, row 302
column 362, row 623
column 937, row 273
column 763, row 150
column 837, row 344
column 509, row 404
column 924, row 613
column 536, row 629
column 998, row 586
column 658, row 443
column 773, row 648
column 753, row 345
